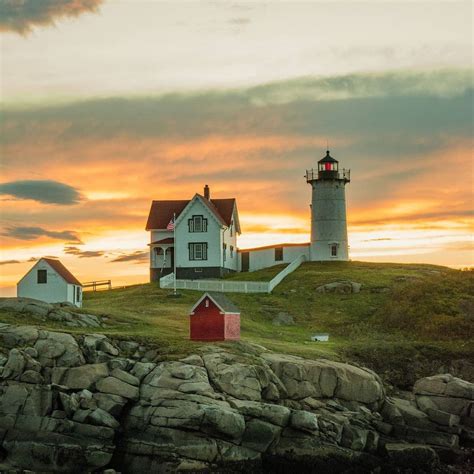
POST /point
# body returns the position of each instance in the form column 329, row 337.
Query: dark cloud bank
column 45, row 191
column 21, row 16
column 32, row 233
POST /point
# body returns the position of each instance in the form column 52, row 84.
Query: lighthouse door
column 245, row 261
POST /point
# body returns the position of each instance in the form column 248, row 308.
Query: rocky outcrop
column 63, row 313
column 88, row 403
column 342, row 287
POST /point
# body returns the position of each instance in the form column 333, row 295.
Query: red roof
column 161, row 212
column 62, row 271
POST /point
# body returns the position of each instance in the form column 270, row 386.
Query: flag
column 170, row 226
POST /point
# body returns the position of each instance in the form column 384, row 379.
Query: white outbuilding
column 50, row 281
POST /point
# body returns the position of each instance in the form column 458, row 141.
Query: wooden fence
column 94, row 284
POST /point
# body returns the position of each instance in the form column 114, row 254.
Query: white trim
column 189, row 205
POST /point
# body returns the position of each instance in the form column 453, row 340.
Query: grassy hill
column 407, row 320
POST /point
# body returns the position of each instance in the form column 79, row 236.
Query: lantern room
column 328, row 167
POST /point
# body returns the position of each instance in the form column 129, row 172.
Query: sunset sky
column 110, row 104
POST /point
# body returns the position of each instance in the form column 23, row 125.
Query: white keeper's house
column 203, row 238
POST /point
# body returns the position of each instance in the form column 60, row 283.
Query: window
column 197, row 224
column 197, row 251
column 78, row 294
column 207, row 303
column 231, row 251
column 231, row 226
column 42, row 276
column 333, row 250
column 224, row 251
column 278, row 254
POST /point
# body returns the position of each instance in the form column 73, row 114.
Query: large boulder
column 320, row 378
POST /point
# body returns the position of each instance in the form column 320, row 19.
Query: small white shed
column 50, row 281
column 320, row 337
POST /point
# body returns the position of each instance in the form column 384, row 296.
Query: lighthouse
column 328, row 210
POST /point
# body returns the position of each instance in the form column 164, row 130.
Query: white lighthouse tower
column 328, row 211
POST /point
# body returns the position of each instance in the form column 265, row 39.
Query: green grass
column 403, row 312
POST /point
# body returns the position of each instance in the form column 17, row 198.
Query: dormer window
column 197, row 224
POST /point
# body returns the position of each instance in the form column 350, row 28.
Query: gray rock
column 80, row 377
column 354, row 438
column 234, row 378
column 275, row 414
column 125, row 377
column 412, row 456
column 112, row 404
column 259, row 435
column 142, row 369
column 340, row 287
column 14, row 366
column 223, row 422
column 304, row 421
column 31, row 376
column 102, row 418
column 115, row 386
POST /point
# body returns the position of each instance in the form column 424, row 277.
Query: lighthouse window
column 333, row 250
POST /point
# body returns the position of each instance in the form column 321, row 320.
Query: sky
column 107, row 105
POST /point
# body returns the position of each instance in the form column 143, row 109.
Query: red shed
column 214, row 318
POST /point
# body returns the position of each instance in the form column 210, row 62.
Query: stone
column 304, row 421
column 443, row 418
column 69, row 403
column 31, row 376
column 102, row 418
column 340, row 287
column 142, row 369
column 259, row 435
column 14, row 366
column 80, row 377
column 283, row 319
column 275, row 414
column 112, row 404
column 223, row 422
column 125, row 377
column 412, row 456
column 193, row 359
column 239, row 380
column 411, row 415
column 416, row 435
column 444, row 385
column 354, row 438
column 115, row 386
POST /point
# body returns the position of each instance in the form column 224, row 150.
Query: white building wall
column 54, row 291
column 264, row 258
column 212, row 237
column 230, row 262
column 328, row 220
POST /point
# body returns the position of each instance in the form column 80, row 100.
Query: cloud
column 21, row 16
column 83, row 253
column 32, row 233
column 45, row 191
column 136, row 257
column 8, row 262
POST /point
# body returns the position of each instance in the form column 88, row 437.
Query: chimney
column 207, row 192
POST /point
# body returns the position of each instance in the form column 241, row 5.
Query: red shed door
column 207, row 323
